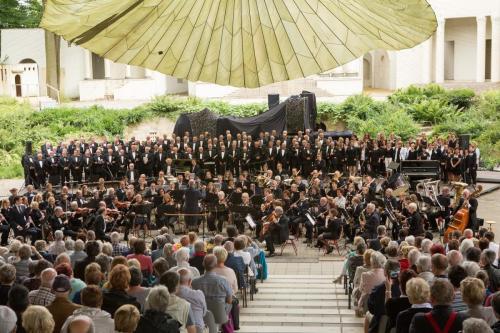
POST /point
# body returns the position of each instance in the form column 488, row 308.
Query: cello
column 460, row 221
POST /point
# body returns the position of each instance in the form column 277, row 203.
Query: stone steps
column 299, row 304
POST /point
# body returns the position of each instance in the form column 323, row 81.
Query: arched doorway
column 367, row 71
column 29, row 76
column 17, row 82
column 381, row 70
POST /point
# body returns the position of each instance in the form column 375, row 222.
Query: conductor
column 191, row 205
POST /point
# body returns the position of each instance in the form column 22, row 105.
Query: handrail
column 58, row 92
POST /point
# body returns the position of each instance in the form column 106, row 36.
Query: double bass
column 460, row 221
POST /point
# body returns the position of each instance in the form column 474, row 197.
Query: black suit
column 472, row 224
column 372, row 222
column 100, row 229
column 416, row 227
column 278, row 235
column 191, row 199
column 440, row 313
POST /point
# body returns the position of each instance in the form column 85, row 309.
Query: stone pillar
column 480, row 48
column 148, row 73
column 107, row 68
column 128, row 72
column 88, row 65
column 440, row 51
column 495, row 49
column 427, row 61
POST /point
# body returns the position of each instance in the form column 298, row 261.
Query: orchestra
column 330, row 186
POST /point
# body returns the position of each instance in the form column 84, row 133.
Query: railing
column 336, row 75
column 57, row 91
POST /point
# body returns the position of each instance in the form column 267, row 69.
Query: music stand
column 311, row 219
column 236, row 198
column 211, row 198
column 257, row 200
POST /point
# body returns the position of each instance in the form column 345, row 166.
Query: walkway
column 299, row 297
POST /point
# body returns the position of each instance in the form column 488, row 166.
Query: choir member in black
column 147, row 162
column 87, row 164
column 76, row 163
column 331, row 231
column 191, row 205
column 221, row 160
column 320, row 164
column 468, row 201
column 29, row 166
column 282, row 156
column 270, row 155
column 65, row 167
column 471, row 165
column 298, row 210
column 414, row 220
column 370, row 223
column 233, row 159
column 52, row 168
column 209, row 158
column 99, row 169
column 39, row 171
column 307, row 158
column 278, row 231
column 454, row 165
column 134, row 156
column 244, row 159
column 352, row 158
column 412, row 152
column 256, row 157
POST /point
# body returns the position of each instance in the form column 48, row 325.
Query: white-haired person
column 182, row 259
column 473, row 295
column 37, row 319
column 58, row 246
column 155, row 317
column 370, row 279
column 414, row 220
column 78, row 253
column 424, row 269
column 418, row 292
column 118, row 248
column 196, row 298
column 221, row 254
column 474, row 325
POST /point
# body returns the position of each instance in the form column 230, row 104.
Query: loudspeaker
column 29, row 148
column 273, row 100
column 464, row 141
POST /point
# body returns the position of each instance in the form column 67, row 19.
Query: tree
column 20, row 14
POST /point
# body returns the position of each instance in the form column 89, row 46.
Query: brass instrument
column 459, row 189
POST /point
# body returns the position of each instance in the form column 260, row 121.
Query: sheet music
column 250, row 221
column 311, row 219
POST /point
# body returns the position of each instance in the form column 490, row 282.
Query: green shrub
column 461, row 98
column 387, row 120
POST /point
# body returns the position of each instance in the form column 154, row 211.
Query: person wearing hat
column 61, row 308
column 8, row 324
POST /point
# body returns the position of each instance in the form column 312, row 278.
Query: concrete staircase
column 299, row 304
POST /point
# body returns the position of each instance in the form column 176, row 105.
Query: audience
column 37, row 319
column 156, row 317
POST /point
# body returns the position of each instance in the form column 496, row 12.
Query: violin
column 269, row 222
